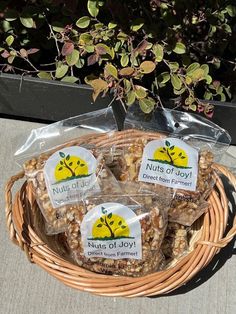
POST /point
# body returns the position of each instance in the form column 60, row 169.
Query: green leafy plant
column 141, row 51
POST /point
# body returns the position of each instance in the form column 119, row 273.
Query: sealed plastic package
column 176, row 150
column 119, row 234
column 63, row 168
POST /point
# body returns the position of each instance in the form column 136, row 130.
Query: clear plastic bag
column 180, row 157
column 119, row 234
column 175, row 242
column 62, row 168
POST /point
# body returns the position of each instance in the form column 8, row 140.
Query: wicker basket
column 26, row 228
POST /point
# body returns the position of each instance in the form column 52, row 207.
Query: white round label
column 170, row 162
column 69, row 173
column 111, row 230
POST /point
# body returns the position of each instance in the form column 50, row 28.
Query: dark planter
column 34, row 99
column 46, row 101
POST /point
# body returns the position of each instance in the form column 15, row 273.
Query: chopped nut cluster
column 175, row 242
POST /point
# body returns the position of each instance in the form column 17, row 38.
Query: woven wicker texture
column 26, row 229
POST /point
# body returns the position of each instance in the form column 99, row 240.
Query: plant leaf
column 164, row 77
column 111, row 223
column 128, row 71
column 167, row 143
column 231, row 10
column 83, row 22
column 69, row 79
column 93, row 8
column 62, row 154
column 32, row 51
column 60, row 168
column 176, row 81
column 61, row 70
column 67, row 48
column 103, row 49
column 73, row 58
column 137, row 24
column 112, row 25
column 28, row 22
column 109, row 215
column 130, row 98
column 111, row 70
column 98, row 86
column 10, row 40
column 205, row 68
column 140, row 92
column 147, row 104
column 23, row 53
column 158, row 50
column 147, row 67
column 44, row 75
column 99, row 225
column 192, row 67
column 197, row 75
column 180, row 48
column 124, row 61
column 102, row 220
column 174, row 66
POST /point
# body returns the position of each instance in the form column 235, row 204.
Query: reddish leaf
column 101, row 49
column 8, row 68
column 141, row 46
column 5, row 54
column 92, row 59
column 67, row 48
column 32, row 50
column 23, row 53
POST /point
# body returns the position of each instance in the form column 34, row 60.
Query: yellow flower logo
column 70, row 167
column 172, row 155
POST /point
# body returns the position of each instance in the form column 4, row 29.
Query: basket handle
column 8, row 211
column 232, row 232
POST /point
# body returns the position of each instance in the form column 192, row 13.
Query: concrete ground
column 26, row 289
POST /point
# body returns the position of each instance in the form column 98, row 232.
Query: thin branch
column 19, row 69
column 53, row 35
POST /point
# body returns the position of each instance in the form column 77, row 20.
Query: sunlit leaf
column 176, row 81
column 147, row 104
column 44, row 75
column 27, row 22
column 83, row 22
column 180, row 48
column 147, row 67
column 10, row 40
column 158, row 50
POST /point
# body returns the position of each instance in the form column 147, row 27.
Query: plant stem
column 71, row 171
column 107, row 225
column 171, row 160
